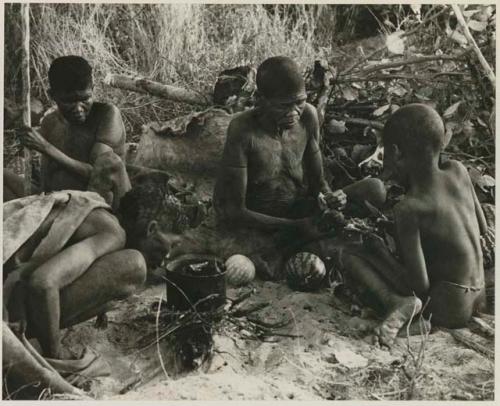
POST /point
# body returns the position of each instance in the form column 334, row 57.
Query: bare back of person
column 449, row 232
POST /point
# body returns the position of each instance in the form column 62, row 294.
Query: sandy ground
column 331, row 357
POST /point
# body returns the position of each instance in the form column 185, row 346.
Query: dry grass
column 180, row 44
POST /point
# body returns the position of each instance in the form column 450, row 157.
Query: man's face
column 286, row 112
column 74, row 105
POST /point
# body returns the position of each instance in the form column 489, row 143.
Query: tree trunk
column 189, row 147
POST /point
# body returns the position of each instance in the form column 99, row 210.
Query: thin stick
column 25, row 68
column 482, row 60
column 157, row 336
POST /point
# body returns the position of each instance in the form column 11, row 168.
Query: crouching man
column 66, row 257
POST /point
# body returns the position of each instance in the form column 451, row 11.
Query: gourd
column 240, row 270
column 305, row 271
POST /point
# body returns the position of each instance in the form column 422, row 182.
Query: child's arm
column 410, row 248
column 481, row 219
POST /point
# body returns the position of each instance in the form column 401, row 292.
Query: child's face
column 74, row 105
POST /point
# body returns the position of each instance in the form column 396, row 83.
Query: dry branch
column 363, row 122
column 412, row 61
column 472, row 42
column 142, row 85
column 394, row 76
column 426, row 19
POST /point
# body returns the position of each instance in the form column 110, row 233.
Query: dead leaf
column 468, row 129
column 381, row 110
column 397, row 90
column 349, row 94
column 424, row 93
column 470, row 13
column 481, row 122
column 456, row 36
column 394, row 108
column 485, row 182
column 450, row 111
column 421, row 97
column 336, row 127
column 478, row 26
column 452, row 127
column 395, row 43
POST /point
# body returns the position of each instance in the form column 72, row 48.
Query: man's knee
column 40, row 282
column 133, row 274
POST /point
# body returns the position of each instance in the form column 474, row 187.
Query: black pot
column 190, row 291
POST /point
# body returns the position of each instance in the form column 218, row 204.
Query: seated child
column 82, row 142
column 438, row 226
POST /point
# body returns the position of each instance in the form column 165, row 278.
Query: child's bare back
column 446, row 213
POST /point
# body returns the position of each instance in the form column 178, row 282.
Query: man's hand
column 335, row 200
column 32, row 139
column 18, row 327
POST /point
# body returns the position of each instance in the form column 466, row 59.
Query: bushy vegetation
column 189, row 44
column 180, row 44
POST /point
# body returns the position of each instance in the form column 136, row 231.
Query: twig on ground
column 419, row 359
column 461, row 337
column 157, row 337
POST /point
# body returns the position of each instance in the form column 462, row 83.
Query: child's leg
column 399, row 309
column 98, row 235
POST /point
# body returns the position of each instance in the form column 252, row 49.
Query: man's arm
column 313, row 162
column 33, row 139
column 109, row 135
column 312, row 156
